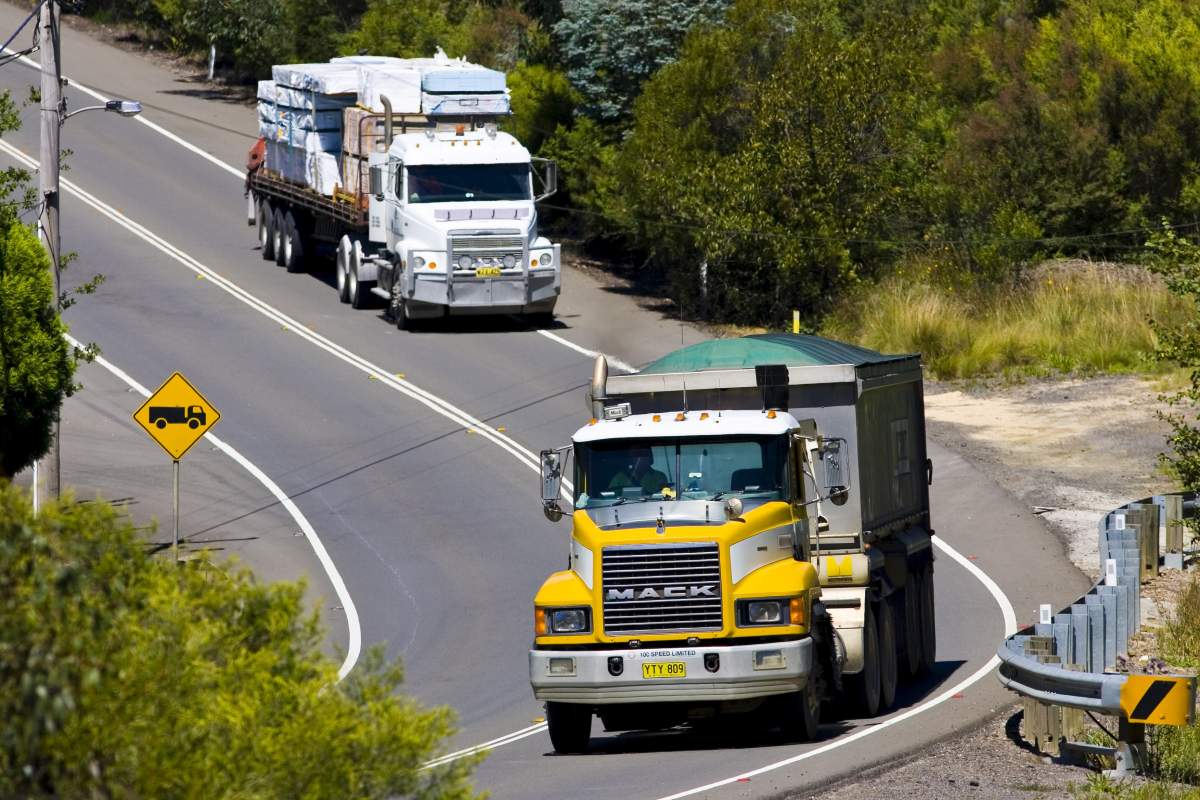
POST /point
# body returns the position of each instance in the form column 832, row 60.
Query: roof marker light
column 703, row 416
column 657, row 418
column 680, row 417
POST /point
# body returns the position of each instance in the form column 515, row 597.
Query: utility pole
column 48, row 189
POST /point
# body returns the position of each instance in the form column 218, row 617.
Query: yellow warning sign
column 176, row 416
column 1159, row 699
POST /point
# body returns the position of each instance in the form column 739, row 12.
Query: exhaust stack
column 598, row 392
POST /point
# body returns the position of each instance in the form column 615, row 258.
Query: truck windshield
column 615, row 472
column 456, row 183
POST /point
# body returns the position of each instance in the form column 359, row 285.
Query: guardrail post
column 1131, row 749
column 1143, row 519
column 1081, row 648
column 1095, row 609
column 1173, row 511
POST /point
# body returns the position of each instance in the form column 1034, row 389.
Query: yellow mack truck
column 750, row 535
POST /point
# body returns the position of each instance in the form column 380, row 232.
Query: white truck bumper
column 588, row 679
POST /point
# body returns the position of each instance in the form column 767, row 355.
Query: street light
column 126, row 108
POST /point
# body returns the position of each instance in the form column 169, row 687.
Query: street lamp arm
column 126, row 108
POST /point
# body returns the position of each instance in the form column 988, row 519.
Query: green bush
column 122, row 675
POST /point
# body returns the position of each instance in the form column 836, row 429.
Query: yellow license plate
column 664, row 669
column 487, row 272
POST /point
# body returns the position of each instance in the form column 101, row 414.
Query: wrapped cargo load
column 327, row 79
column 464, row 90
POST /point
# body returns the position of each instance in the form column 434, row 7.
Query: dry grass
column 1083, row 320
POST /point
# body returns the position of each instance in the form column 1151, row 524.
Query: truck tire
column 888, row 671
column 266, row 232
column 800, row 713
column 928, row 621
column 293, row 245
column 359, row 293
column 570, row 726
column 912, row 626
column 862, row 690
column 400, row 316
column 278, row 235
column 343, row 280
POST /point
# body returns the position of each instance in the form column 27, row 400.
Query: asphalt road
column 435, row 528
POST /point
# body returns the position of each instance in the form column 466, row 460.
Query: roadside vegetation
column 125, row 675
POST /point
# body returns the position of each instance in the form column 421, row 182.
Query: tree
column 1177, row 260
column 126, row 676
column 783, row 151
column 36, row 364
column 611, row 47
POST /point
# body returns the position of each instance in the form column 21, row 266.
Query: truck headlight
column 545, row 259
column 569, row 620
column 465, row 262
column 510, row 261
column 762, row 612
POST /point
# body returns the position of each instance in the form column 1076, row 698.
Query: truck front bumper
column 735, row 678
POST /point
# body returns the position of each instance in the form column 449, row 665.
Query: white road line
column 335, row 577
column 616, row 362
column 1010, row 627
column 240, row 174
column 484, row 747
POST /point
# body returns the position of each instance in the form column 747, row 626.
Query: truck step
column 375, row 290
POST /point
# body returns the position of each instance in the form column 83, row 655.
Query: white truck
column 428, row 206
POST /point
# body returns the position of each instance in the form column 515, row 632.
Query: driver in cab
column 639, row 471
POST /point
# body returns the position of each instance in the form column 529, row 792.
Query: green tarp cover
column 769, row 348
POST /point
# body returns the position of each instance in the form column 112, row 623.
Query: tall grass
column 1088, row 320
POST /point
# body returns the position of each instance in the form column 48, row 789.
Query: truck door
column 798, row 469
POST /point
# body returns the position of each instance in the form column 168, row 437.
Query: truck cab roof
column 472, row 146
column 694, row 423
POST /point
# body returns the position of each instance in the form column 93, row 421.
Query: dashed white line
column 354, row 645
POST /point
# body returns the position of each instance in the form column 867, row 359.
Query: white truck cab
column 453, row 208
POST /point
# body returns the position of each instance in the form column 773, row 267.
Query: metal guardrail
column 1065, row 664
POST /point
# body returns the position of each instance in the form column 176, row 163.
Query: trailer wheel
column 863, row 689
column 928, row 621
column 343, row 257
column 570, row 726
column 293, row 256
column 888, row 672
column 912, row 626
column 266, row 232
column 278, row 235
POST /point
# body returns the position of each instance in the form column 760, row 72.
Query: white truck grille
column 485, row 246
column 661, row 588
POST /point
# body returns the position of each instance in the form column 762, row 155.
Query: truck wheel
column 293, row 247
column 570, row 726
column 928, row 621
column 912, row 626
column 800, row 713
column 359, row 294
column 266, row 234
column 888, row 672
column 343, row 258
column 278, row 235
column 400, row 316
column 863, row 689
column 161, row 423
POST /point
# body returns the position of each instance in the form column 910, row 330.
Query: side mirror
column 835, row 476
column 553, row 463
column 545, row 178
column 377, row 182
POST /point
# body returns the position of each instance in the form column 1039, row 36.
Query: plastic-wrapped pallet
column 327, row 79
column 464, row 89
column 400, row 85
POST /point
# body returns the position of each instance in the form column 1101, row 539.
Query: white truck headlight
column 569, row 620
column 510, row 261
column 465, row 262
column 761, row 612
column 545, row 259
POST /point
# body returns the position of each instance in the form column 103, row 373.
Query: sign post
column 176, row 416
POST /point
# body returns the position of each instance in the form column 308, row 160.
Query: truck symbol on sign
column 192, row 416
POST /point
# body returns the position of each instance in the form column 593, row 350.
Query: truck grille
column 661, row 588
column 485, row 245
